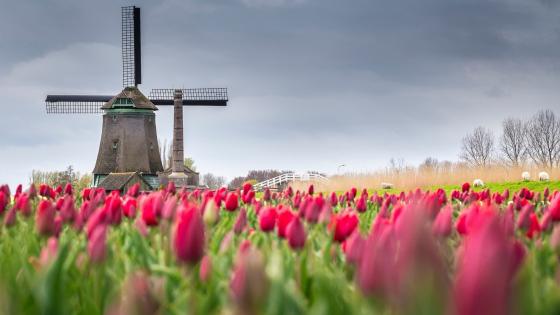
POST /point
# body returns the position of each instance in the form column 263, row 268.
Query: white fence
column 289, row 178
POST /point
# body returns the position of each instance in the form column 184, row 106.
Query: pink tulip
column 443, row 223
column 205, row 269
column 482, row 284
column 97, row 244
column 240, row 222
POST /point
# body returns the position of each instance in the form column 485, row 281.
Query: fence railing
column 289, row 178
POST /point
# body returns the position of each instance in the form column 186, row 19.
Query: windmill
column 128, row 150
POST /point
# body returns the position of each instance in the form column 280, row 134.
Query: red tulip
column 334, row 199
column 266, row 195
column 534, row 226
column 284, row 218
column 149, row 211
column 44, row 221
column 267, row 219
column 524, row 219
column 296, row 234
column 10, row 218
column 361, row 205
column 3, row 202
column 134, row 190
column 129, row 207
column 68, row 190
column 232, row 202
column 67, row 211
column 171, row 189
column 344, row 225
column 311, row 190
column 247, row 187
column 97, row 244
column 465, row 187
column 188, row 241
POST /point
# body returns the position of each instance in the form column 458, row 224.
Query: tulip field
column 288, row 252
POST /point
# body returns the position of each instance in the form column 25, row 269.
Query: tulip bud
column 249, row 284
column 443, row 223
column 44, row 221
column 232, row 202
column 10, row 219
column 344, row 225
column 188, row 240
column 267, row 219
column 205, row 269
column 284, row 219
column 97, row 244
column 211, row 213
column 296, row 234
column 240, row 222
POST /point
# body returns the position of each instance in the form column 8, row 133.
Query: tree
column 478, row 147
column 429, row 164
column 513, row 144
column 189, row 162
column 543, row 139
column 213, row 181
column 237, row 182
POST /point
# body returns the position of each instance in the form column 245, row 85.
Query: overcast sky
column 313, row 83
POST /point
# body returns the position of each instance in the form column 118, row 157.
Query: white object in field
column 526, row 176
column 478, row 183
column 387, row 185
column 543, row 177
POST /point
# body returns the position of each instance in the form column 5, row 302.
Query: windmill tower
column 128, row 150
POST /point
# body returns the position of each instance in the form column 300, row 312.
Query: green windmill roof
column 130, row 96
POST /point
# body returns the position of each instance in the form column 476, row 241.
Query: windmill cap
column 133, row 94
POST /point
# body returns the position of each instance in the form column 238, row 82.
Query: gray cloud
column 312, row 83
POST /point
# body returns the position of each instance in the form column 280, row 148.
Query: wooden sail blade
column 75, row 104
column 191, row 97
column 131, row 52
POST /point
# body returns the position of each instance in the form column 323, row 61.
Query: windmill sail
column 191, row 97
column 131, row 52
column 75, row 104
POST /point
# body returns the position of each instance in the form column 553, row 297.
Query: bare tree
column 213, row 181
column 478, row 147
column 513, row 144
column 429, row 164
column 543, row 139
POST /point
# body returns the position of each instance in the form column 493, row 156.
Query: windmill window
column 115, row 145
column 123, row 102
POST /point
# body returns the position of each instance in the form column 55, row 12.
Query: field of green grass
column 494, row 187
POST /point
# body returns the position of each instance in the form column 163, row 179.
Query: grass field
column 494, row 187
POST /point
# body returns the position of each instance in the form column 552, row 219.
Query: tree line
column 535, row 140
